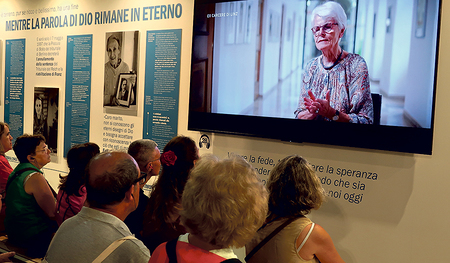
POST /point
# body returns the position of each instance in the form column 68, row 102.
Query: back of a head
column 25, row 145
column 224, row 203
column 78, row 158
column 177, row 160
column 294, row 189
column 79, row 155
column 109, row 176
column 141, row 149
column 185, row 150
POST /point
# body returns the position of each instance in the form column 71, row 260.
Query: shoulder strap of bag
column 111, row 248
column 171, row 250
column 269, row 237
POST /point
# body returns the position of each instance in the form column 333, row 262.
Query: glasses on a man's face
column 157, row 159
column 141, row 179
column 325, row 28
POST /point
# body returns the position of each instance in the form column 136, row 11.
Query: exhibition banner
column 14, row 85
column 162, row 83
column 78, row 90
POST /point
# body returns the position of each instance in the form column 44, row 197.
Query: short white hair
column 330, row 9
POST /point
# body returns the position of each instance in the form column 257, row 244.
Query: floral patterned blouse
column 349, row 87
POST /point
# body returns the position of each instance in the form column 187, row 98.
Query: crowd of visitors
column 199, row 209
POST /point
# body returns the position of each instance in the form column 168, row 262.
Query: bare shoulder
column 35, row 182
column 320, row 245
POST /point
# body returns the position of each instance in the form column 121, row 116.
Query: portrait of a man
column 121, row 72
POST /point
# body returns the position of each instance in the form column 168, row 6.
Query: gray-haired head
column 330, row 9
column 142, row 150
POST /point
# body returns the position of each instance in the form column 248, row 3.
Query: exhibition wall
column 383, row 206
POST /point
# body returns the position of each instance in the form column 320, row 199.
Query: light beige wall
column 403, row 215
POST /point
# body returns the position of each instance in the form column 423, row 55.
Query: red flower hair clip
column 168, row 158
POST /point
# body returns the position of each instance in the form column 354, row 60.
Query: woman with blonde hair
column 288, row 235
column 224, row 203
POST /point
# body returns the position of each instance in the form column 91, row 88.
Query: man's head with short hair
column 146, row 154
column 111, row 181
column 113, row 48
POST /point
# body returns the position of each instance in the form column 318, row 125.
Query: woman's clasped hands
column 317, row 106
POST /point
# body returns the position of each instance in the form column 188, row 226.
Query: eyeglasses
column 325, row 28
column 44, row 149
column 141, row 180
column 154, row 160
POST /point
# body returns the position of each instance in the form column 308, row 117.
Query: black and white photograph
column 127, row 85
column 121, row 57
column 45, row 117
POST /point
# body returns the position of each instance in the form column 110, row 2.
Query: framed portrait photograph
column 125, row 89
column 121, row 57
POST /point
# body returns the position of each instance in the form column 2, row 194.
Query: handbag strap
column 269, row 237
column 171, row 250
column 111, row 248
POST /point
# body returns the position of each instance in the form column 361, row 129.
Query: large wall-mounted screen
column 251, row 60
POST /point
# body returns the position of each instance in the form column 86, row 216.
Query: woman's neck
column 271, row 217
column 330, row 56
column 198, row 242
column 36, row 164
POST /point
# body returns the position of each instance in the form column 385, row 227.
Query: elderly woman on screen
column 335, row 85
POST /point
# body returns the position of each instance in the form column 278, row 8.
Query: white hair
column 330, row 9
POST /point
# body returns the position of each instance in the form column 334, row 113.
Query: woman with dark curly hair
column 288, row 235
column 161, row 218
column 72, row 192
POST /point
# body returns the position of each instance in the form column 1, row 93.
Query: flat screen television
column 248, row 58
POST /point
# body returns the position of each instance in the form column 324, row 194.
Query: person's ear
column 30, row 158
column 129, row 193
column 149, row 167
column 341, row 34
